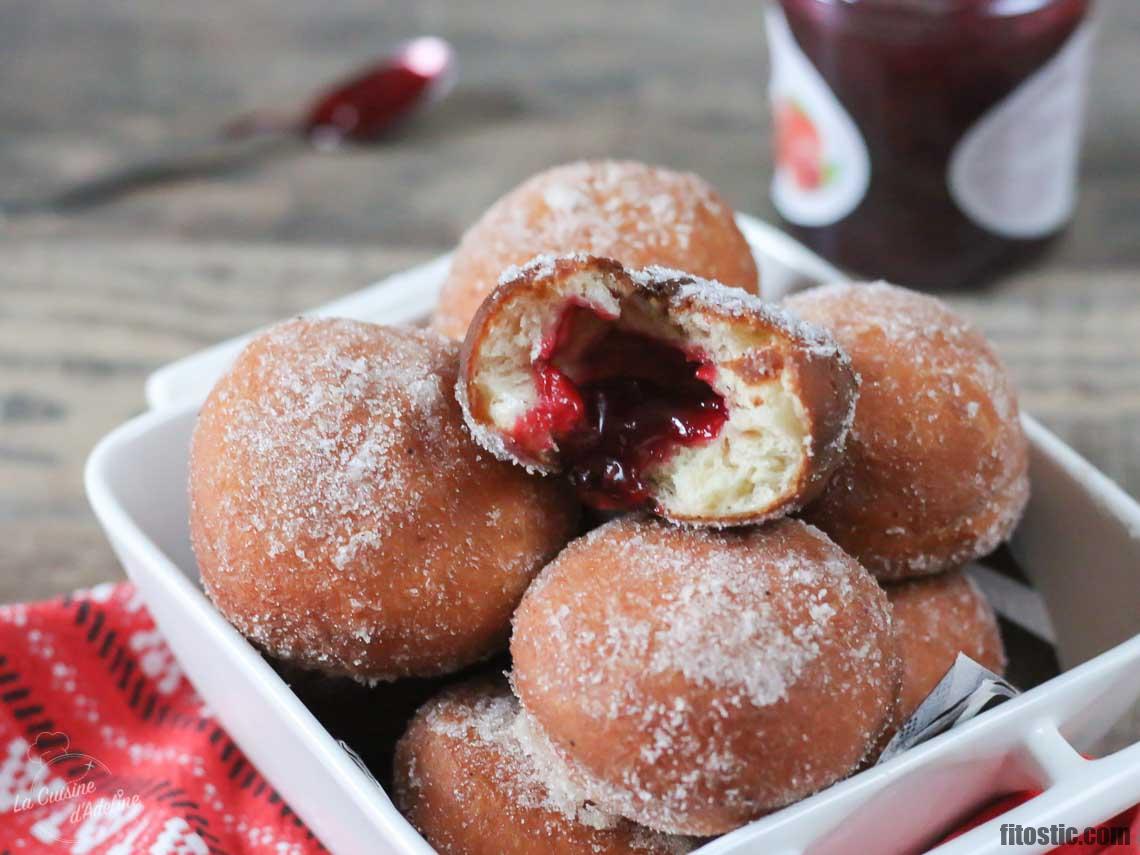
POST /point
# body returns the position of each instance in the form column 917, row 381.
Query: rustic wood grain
column 92, row 302
column 92, row 83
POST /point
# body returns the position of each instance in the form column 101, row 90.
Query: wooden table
column 91, row 303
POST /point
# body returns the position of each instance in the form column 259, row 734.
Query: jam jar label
column 1015, row 171
column 822, row 165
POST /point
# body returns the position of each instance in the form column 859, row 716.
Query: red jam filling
column 617, row 403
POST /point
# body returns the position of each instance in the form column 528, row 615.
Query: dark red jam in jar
column 928, row 142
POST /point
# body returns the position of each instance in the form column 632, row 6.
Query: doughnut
column 935, row 619
column 638, row 214
column 465, row 777
column 693, row 679
column 936, row 469
column 653, row 389
column 342, row 518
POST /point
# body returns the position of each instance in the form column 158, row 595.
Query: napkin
column 105, row 747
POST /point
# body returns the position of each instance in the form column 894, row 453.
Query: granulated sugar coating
column 693, row 679
column 342, row 517
column 936, row 470
column 631, row 212
column 466, row 779
column 935, row 619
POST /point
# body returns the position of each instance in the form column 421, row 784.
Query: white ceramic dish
column 1079, row 542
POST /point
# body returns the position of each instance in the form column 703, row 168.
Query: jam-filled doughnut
column 935, row 619
column 466, row 777
column 655, row 389
column 341, row 515
column 936, row 468
column 694, row 679
column 638, row 214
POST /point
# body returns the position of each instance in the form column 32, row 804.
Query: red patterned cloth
column 106, row 749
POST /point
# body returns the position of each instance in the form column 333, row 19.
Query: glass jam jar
column 928, row 142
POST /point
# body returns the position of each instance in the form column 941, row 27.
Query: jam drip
column 633, row 401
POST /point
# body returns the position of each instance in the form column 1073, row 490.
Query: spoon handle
column 206, row 158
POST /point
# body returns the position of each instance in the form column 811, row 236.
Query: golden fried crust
column 638, row 214
column 463, row 780
column 935, row 619
column 341, row 515
column 813, row 368
column 698, row 679
column 935, row 472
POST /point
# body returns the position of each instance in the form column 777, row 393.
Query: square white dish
column 1080, row 543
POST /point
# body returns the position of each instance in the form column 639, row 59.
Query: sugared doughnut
column 465, row 778
column 341, row 515
column 694, row 679
column 935, row 619
column 936, row 469
column 655, row 389
column 638, row 214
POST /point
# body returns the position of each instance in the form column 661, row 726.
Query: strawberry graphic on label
column 823, row 168
column 799, row 148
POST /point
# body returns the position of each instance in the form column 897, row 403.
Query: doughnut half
column 655, row 389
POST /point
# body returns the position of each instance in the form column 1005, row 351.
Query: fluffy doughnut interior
column 640, row 400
